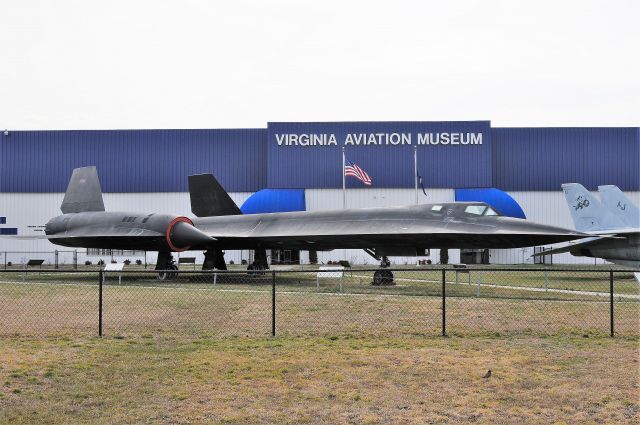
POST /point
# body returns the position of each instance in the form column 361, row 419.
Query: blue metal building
column 454, row 158
column 246, row 160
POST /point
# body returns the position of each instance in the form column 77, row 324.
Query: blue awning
column 274, row 200
column 501, row 201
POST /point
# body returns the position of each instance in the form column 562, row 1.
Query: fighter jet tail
column 616, row 202
column 208, row 197
column 586, row 210
column 83, row 192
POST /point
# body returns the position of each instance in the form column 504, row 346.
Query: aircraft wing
column 571, row 246
column 588, row 242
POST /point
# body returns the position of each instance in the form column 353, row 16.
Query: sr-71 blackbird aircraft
column 219, row 225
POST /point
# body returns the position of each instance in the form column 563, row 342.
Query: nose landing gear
column 383, row 276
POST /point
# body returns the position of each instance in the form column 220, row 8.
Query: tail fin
column 208, row 197
column 587, row 212
column 617, row 202
column 83, row 192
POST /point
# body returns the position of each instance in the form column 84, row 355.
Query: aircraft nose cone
column 183, row 236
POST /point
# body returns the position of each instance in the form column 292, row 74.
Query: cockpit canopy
column 480, row 210
column 466, row 208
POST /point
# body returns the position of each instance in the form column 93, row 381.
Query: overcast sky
column 203, row 64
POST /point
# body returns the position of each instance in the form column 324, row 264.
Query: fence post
column 273, row 303
column 100, row 279
column 611, row 300
column 444, row 304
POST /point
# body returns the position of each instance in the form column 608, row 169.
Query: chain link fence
column 361, row 302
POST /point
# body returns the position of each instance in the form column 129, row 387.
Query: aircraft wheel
column 164, row 275
column 173, row 275
column 383, row 277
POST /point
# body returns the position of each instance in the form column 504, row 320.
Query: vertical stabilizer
column 83, row 192
column 586, row 210
column 208, row 197
column 617, row 202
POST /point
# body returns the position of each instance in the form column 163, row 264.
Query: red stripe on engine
column 175, row 221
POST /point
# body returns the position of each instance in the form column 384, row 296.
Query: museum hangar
column 292, row 166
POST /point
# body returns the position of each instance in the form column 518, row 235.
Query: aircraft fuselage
column 416, row 227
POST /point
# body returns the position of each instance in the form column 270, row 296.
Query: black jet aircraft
column 219, row 225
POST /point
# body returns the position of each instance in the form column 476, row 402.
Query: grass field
column 233, row 309
column 197, row 350
column 333, row 379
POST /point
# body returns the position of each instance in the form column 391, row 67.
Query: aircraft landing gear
column 259, row 264
column 214, row 259
column 383, row 276
column 165, row 265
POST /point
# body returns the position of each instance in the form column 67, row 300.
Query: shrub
column 127, row 262
column 139, row 262
column 231, row 262
column 87, row 263
column 100, row 262
column 114, row 262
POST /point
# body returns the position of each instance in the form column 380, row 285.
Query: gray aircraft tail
column 617, row 202
column 208, row 197
column 83, row 192
column 586, row 210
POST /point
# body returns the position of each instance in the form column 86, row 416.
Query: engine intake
column 182, row 235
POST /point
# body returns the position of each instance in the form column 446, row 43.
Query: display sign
column 447, row 154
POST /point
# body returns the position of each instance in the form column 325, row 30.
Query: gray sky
column 203, row 64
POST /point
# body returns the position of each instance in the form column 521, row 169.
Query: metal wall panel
column 390, row 166
column 331, row 199
column 133, row 160
column 544, row 158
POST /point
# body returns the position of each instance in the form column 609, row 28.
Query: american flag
column 351, row 169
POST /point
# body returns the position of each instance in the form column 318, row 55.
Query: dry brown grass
column 185, row 355
column 34, row 309
column 319, row 380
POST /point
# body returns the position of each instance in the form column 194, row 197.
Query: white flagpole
column 415, row 169
column 344, row 186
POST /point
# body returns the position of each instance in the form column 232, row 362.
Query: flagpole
column 415, row 169
column 344, row 186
